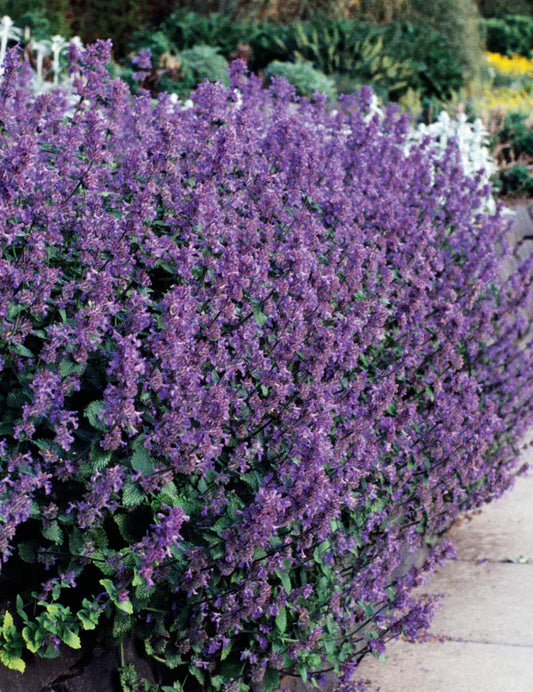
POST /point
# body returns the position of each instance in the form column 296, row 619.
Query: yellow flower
column 510, row 65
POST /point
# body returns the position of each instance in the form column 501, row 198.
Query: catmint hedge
column 253, row 354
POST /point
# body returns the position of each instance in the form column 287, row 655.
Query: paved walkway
column 481, row 639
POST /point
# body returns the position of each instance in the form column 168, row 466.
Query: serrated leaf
column 132, row 494
column 86, row 622
column 125, row 606
column 100, row 458
column 26, row 552
column 70, row 638
column 169, row 494
column 8, row 626
column 33, row 637
column 67, row 367
column 122, row 625
column 226, row 651
column 110, row 588
column 92, row 413
column 142, row 461
column 87, row 615
column 11, row 661
column 53, row 533
column 20, row 607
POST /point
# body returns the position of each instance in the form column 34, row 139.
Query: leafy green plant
column 509, row 34
column 43, row 17
column 201, row 63
column 518, row 134
column 187, row 29
column 304, row 77
column 516, row 180
column 458, row 24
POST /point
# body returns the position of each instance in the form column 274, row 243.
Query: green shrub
column 304, row 77
column 44, row 17
column 394, row 59
column 436, row 72
column 508, row 35
column 200, row 63
column 517, row 132
column 158, row 42
column 516, row 180
column 186, row 29
column 458, row 23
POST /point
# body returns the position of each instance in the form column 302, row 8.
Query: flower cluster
column 253, row 351
column 510, row 65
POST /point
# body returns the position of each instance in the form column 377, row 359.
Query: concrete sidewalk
column 481, row 639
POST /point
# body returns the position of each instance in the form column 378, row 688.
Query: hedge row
column 251, row 352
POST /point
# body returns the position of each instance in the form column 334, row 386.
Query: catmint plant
column 252, row 352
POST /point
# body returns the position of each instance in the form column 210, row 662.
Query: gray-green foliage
column 203, row 62
column 303, row 76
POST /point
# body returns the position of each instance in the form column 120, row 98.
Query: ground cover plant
column 252, row 352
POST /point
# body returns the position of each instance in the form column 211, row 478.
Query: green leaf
column 125, row 606
column 110, row 588
column 20, row 350
column 285, row 580
column 70, row 638
column 67, row 367
column 271, row 680
column 132, row 494
column 86, row 621
column 92, row 413
column 142, row 461
column 100, row 458
column 12, row 661
column 259, row 316
column 26, row 552
column 281, row 620
column 20, row 607
column 8, row 627
column 368, row 609
column 226, row 651
column 33, row 636
column 87, row 615
column 198, row 674
column 53, row 533
column 122, row 625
